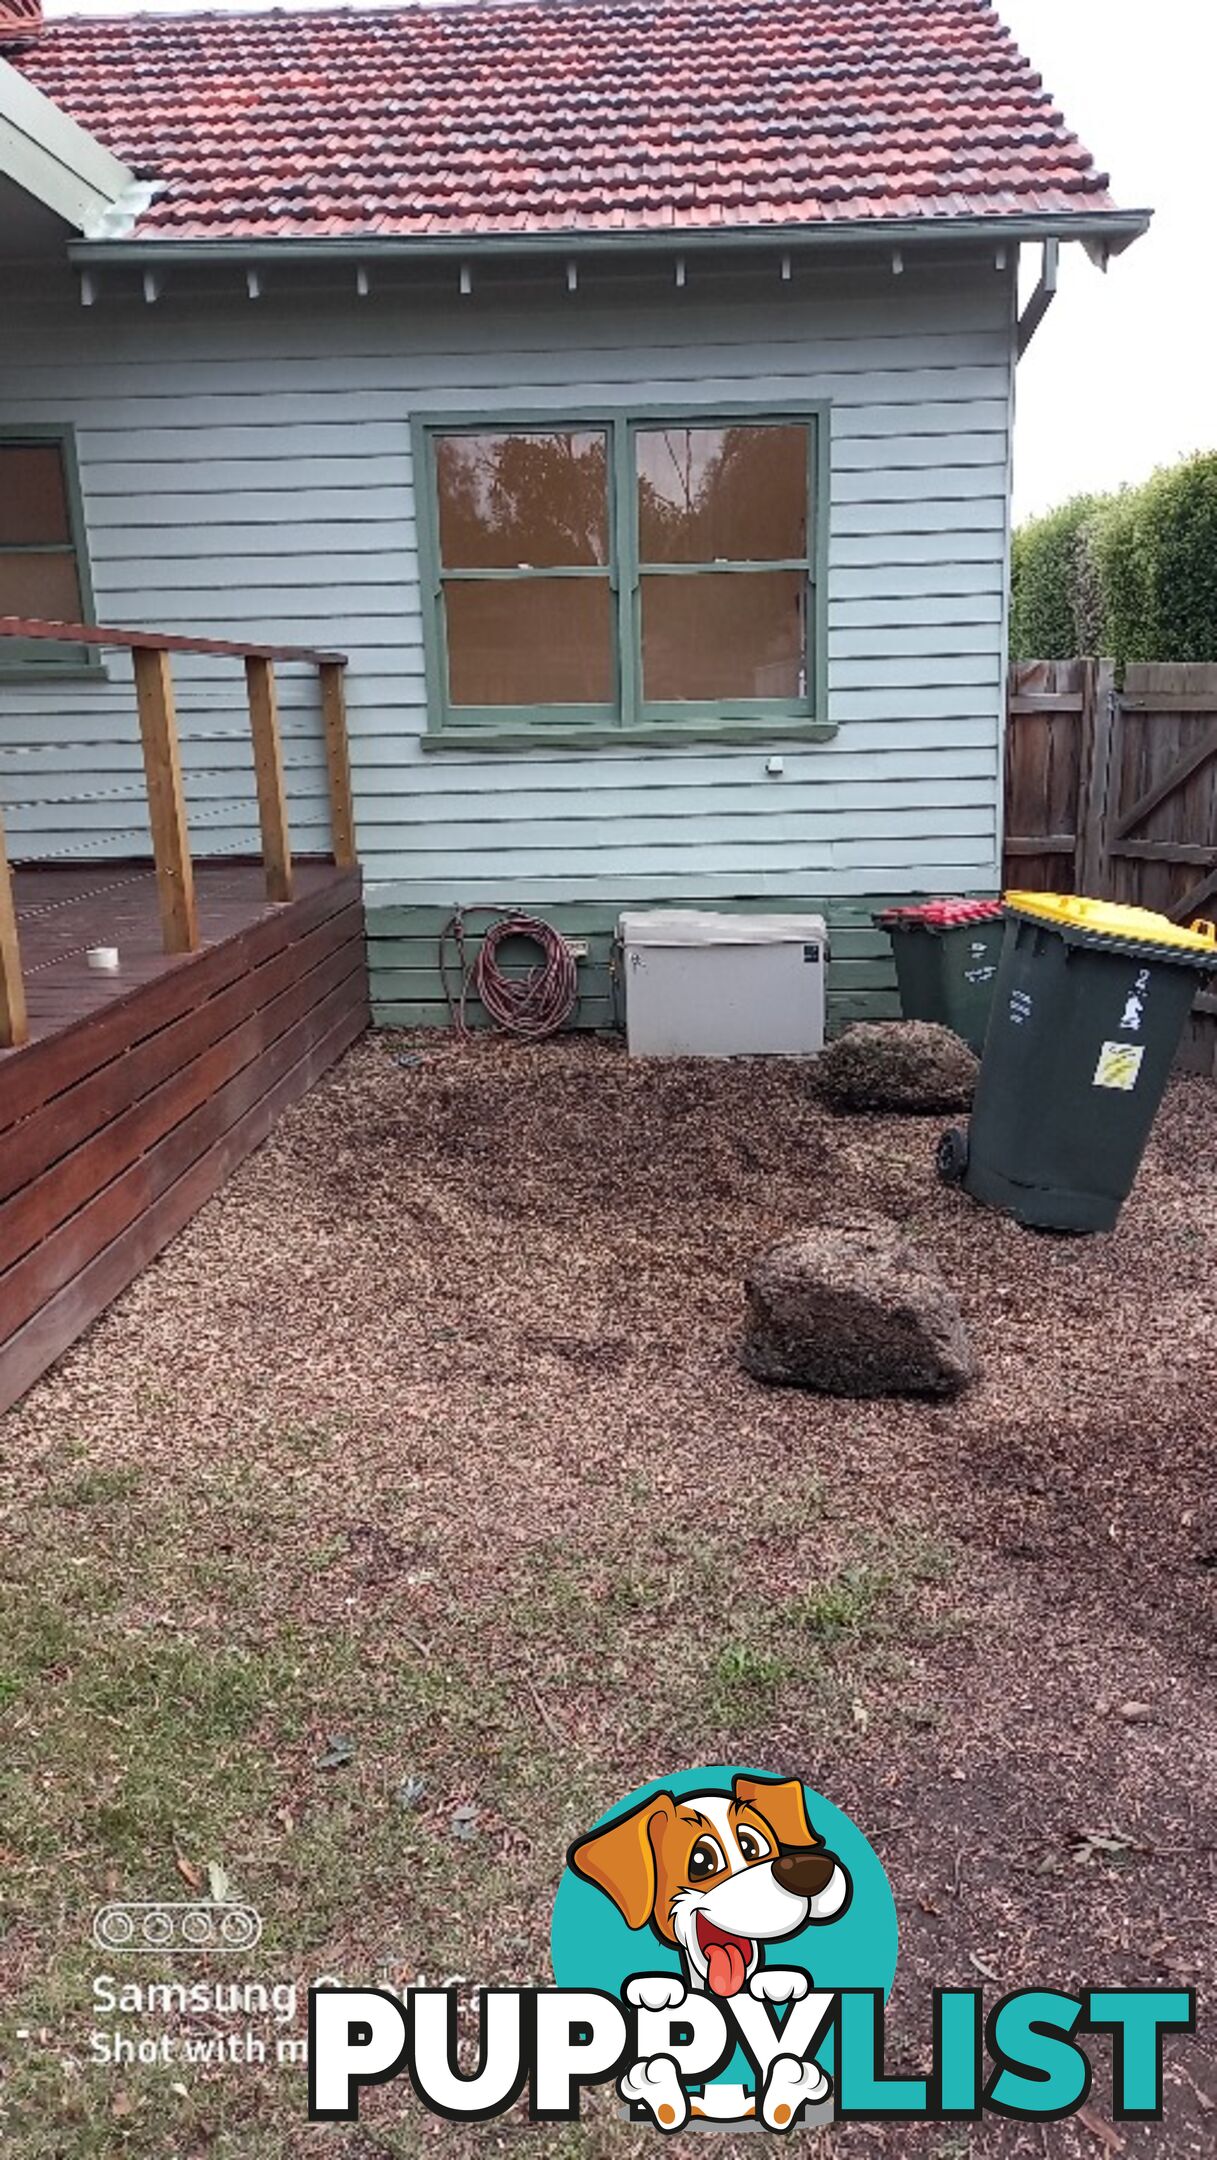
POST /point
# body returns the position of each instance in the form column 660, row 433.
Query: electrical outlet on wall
column 577, row 947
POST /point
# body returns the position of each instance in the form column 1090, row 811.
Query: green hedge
column 1130, row 576
column 1043, row 619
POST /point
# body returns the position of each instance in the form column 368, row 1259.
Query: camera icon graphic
column 153, row 1925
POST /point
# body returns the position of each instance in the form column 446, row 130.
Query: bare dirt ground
column 413, row 1510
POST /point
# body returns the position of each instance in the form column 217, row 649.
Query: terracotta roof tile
column 574, row 116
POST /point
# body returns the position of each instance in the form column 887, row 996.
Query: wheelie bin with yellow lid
column 1088, row 1010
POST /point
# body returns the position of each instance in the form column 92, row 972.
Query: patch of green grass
column 175, row 1662
column 781, row 1511
column 743, row 1682
column 844, row 1605
column 67, row 1447
column 180, row 1690
column 742, row 1666
column 134, row 2112
column 97, row 1487
column 146, row 1737
column 835, row 1637
column 633, row 1591
column 39, row 1637
column 320, row 1558
column 745, row 1678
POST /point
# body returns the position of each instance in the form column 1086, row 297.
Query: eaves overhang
column 58, row 164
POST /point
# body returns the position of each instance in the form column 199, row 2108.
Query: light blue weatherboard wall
column 246, row 471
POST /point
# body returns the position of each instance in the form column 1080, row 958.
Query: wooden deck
column 139, row 1092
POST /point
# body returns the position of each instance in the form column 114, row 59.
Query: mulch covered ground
column 413, row 1510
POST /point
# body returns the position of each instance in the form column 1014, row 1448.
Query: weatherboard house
column 623, row 387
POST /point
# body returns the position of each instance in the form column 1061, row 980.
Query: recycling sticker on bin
column 1119, row 1065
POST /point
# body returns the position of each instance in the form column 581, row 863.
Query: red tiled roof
column 521, row 117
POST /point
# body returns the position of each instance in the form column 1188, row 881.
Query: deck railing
column 151, row 653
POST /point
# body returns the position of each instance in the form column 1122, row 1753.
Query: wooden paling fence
column 1112, row 791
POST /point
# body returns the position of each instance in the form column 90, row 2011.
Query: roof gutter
column 1109, row 231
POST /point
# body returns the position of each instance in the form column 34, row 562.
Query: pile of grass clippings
column 897, row 1066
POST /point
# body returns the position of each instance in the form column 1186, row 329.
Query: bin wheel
column 952, row 1157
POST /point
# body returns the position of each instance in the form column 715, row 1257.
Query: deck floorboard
column 65, row 910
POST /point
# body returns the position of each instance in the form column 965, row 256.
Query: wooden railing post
column 166, row 800
column 14, row 1025
column 268, row 772
column 338, row 762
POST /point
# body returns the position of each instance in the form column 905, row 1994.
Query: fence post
column 268, row 772
column 166, row 799
column 1092, row 863
column 14, row 1023
column 338, row 762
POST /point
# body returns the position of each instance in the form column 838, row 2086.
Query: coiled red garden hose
column 531, row 1006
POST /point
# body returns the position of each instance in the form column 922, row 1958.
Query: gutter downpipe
column 1042, row 298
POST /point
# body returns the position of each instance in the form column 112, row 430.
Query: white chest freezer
column 709, row 985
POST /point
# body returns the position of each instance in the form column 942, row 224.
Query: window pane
column 719, row 635
column 39, row 586
column 726, row 494
column 530, row 641
column 515, row 501
column 33, row 500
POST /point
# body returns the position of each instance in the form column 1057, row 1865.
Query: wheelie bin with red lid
column 946, row 954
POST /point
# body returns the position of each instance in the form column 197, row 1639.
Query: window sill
column 25, row 672
column 667, row 735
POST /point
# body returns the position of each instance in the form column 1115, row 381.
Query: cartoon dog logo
column 719, row 1876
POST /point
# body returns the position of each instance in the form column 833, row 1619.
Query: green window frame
column 632, row 577
column 30, row 657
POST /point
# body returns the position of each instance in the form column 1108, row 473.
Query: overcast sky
column 1121, row 376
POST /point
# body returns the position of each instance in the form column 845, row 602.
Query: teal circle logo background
column 593, row 1947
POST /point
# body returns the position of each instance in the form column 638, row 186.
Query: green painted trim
column 723, row 568
column 711, row 729
column 814, row 414
column 82, row 671
column 407, row 991
column 822, row 504
column 488, row 722
column 426, row 524
column 631, row 720
column 535, row 570
column 23, row 659
column 625, row 574
column 1119, row 228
